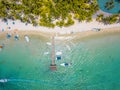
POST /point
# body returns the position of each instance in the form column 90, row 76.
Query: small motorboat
column 27, row 38
column 66, row 64
column 3, row 80
column 58, row 55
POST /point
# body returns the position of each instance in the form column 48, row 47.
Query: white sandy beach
column 77, row 27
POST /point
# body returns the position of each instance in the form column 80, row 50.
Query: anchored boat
column 66, row 64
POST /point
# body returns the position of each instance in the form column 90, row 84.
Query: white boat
column 66, row 64
column 27, row 38
column 3, row 80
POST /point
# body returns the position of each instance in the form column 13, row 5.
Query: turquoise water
column 115, row 10
column 95, row 64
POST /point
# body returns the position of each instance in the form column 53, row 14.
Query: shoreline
column 60, row 36
column 79, row 29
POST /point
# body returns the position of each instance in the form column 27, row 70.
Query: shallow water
column 95, row 64
column 115, row 10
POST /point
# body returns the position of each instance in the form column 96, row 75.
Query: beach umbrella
column 13, row 23
column 2, row 29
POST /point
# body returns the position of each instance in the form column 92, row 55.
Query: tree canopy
column 49, row 13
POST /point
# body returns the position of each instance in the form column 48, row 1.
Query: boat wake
column 27, row 81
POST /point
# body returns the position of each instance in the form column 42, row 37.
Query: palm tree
column 48, row 10
column 99, row 17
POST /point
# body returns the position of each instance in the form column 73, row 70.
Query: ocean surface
column 95, row 64
column 114, row 10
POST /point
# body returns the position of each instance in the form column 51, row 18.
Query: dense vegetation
column 108, row 20
column 48, row 12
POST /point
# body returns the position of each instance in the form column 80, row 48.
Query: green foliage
column 69, row 21
column 49, row 12
column 99, row 17
column 60, row 23
column 111, row 19
column 46, row 21
column 89, row 19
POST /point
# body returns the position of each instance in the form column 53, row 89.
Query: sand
column 83, row 29
column 77, row 27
